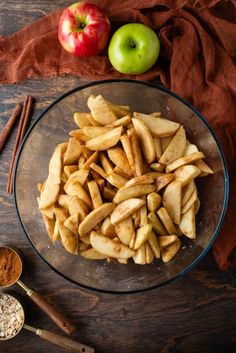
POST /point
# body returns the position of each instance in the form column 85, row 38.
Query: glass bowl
column 53, row 126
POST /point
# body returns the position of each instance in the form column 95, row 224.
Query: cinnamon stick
column 9, row 125
column 24, row 118
column 27, row 116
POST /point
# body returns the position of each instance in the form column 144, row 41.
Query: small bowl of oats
column 12, row 316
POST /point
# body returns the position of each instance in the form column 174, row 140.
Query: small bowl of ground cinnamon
column 10, row 266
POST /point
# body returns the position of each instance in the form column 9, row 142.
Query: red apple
column 83, row 29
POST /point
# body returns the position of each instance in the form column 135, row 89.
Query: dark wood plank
column 195, row 314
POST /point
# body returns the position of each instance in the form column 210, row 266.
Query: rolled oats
column 11, row 316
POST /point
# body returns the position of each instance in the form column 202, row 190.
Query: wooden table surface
column 194, row 314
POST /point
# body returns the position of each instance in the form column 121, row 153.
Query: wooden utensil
column 67, row 343
column 61, row 341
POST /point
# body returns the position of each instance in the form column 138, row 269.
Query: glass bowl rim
column 205, row 122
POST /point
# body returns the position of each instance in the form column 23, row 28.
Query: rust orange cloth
column 198, row 51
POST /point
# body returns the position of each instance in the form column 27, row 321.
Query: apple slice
column 170, row 251
column 100, row 109
column 110, row 247
column 116, row 180
column 187, row 224
column 105, row 141
column 142, row 235
column 55, row 166
column 106, row 163
column 49, row 225
column 146, row 139
column 126, row 209
column 204, row 167
column 166, row 220
column 163, row 180
column 73, row 151
column 120, row 122
column 140, row 180
column 187, row 192
column 154, row 244
column 79, row 135
column 64, row 201
column 118, row 157
column 72, row 223
column 69, row 239
column 190, row 148
column 129, row 192
column 176, row 147
column 84, row 119
column 167, row 240
column 92, row 159
column 156, row 224
column 95, row 217
column 79, row 176
column 95, row 131
column 128, row 151
column 108, row 228
column 49, row 194
column 149, row 254
column 158, row 167
column 158, row 148
column 125, row 230
column 140, row 255
column 75, row 189
column 143, row 216
column 77, row 206
column 94, row 193
column 153, row 201
column 69, row 169
column 159, row 127
column 172, row 200
column 119, row 110
column 136, row 152
column 92, row 254
column 60, row 214
column 190, row 201
column 186, row 174
column 189, row 159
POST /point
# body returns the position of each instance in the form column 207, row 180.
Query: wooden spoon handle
column 59, row 319
column 64, row 342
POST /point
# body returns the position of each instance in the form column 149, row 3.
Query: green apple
column 133, row 49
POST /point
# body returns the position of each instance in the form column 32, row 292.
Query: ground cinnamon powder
column 10, row 266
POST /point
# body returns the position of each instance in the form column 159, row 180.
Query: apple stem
column 131, row 44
